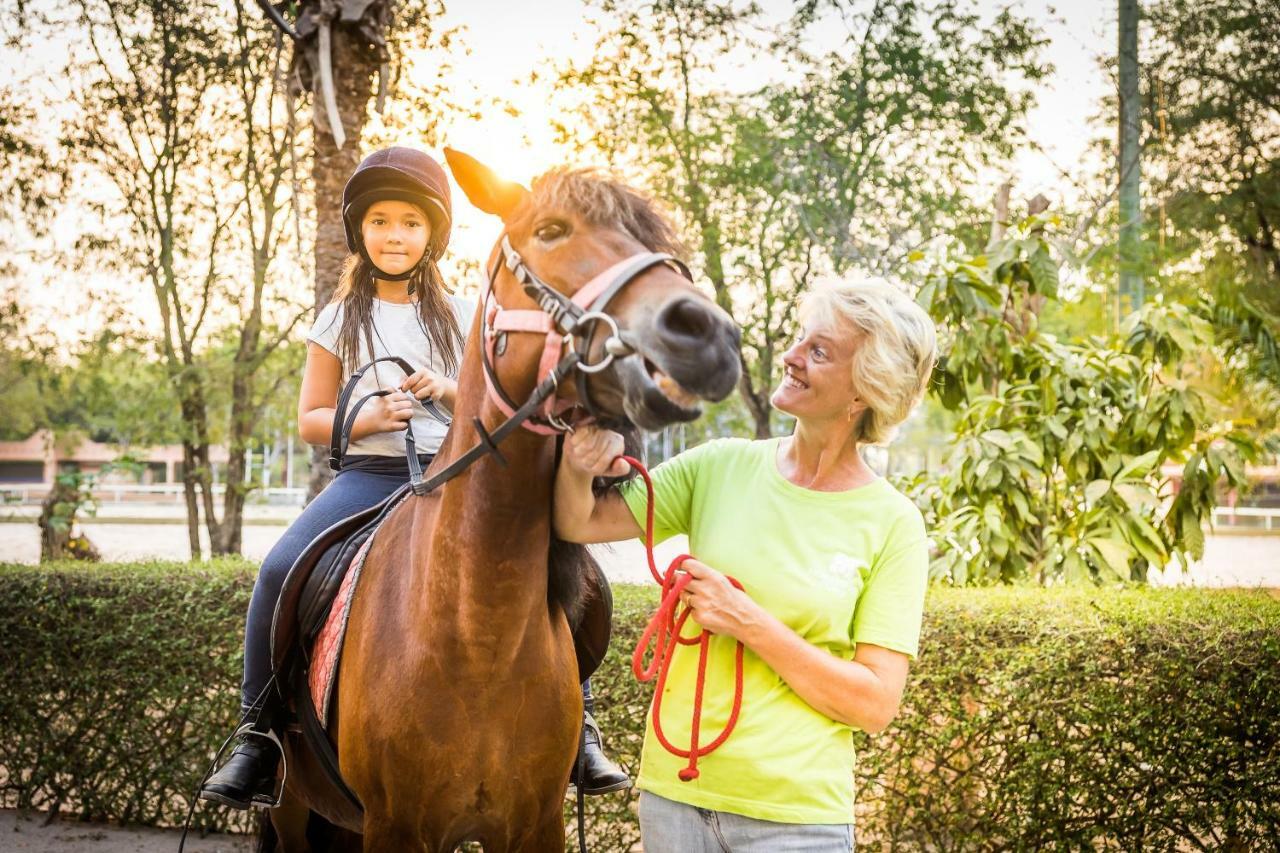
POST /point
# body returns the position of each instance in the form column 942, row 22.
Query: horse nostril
column 686, row 318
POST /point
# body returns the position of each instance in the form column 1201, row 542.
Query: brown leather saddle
column 313, row 582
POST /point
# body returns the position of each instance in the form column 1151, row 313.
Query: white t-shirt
column 397, row 330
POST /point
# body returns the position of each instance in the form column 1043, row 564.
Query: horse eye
column 551, row 231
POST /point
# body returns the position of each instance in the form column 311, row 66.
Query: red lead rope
column 663, row 631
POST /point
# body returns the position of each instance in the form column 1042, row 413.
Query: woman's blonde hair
column 896, row 347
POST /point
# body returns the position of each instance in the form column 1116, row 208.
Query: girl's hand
column 591, row 450
column 718, row 605
column 389, row 413
column 428, row 385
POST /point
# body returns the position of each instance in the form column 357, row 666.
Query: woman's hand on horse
column 391, row 413
column 595, row 451
column 428, row 385
column 718, row 605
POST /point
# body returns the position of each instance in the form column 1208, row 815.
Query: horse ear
column 482, row 185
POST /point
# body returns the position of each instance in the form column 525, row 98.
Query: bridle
column 569, row 323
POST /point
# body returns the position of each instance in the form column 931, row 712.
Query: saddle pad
column 327, row 649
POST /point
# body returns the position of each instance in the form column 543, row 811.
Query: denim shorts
column 670, row 827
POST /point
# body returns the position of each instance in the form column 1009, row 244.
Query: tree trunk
column 189, row 496
column 55, row 534
column 1131, row 287
column 225, row 535
column 757, row 404
column 230, row 530
column 354, row 66
column 1000, row 214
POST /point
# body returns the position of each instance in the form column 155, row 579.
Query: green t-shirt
column 838, row 568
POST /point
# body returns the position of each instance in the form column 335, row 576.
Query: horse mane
column 607, row 202
column 569, row 562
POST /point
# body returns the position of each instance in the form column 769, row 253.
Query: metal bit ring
column 614, row 335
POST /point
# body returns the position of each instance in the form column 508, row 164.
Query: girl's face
column 818, row 384
column 395, row 235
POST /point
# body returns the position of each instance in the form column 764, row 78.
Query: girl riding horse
column 391, row 301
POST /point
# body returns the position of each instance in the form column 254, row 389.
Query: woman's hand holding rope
column 717, row 605
column 595, row 451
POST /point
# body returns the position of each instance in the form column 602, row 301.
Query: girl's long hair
column 356, row 291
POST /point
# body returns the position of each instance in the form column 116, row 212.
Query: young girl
column 390, row 301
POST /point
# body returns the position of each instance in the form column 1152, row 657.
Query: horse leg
column 547, row 835
column 289, row 820
column 345, row 841
column 381, row 835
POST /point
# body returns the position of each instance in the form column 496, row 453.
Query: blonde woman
column 833, row 561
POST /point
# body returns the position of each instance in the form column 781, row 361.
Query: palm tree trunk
column 354, row 65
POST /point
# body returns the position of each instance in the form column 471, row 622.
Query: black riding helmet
column 402, row 174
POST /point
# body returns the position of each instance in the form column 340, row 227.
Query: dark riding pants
column 351, row 491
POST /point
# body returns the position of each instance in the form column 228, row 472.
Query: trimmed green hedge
column 1067, row 719
column 117, row 684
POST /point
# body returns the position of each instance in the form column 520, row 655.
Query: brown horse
column 458, row 705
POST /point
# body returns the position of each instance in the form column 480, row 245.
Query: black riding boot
column 599, row 774
column 248, row 778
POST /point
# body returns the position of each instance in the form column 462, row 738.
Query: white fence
column 161, row 493
column 1247, row 517
column 1231, row 518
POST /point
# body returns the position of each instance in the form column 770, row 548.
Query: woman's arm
column 321, row 381
column 578, row 515
column 864, row 692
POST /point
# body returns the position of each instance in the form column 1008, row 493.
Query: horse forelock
column 607, row 202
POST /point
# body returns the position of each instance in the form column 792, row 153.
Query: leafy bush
column 1080, row 719
column 1062, row 719
column 1054, row 471
column 119, row 682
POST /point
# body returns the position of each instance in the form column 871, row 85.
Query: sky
column 509, row 40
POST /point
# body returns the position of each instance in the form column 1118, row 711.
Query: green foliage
column 1247, row 330
column 1211, row 197
column 1073, row 720
column 76, row 491
column 117, row 392
column 120, row 686
column 1211, row 98
column 1055, row 469
column 109, row 388
column 815, row 169
column 1033, row 719
column 23, row 368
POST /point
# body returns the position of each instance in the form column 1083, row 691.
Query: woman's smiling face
column 818, row 380
column 395, row 235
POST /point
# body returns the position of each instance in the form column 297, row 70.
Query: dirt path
column 28, row 834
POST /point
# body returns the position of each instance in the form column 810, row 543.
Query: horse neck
column 492, row 530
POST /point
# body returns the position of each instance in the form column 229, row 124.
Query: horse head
column 661, row 346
